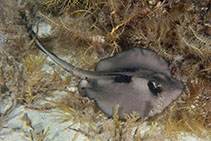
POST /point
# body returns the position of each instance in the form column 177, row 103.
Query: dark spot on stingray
column 154, row 88
column 131, row 79
column 126, row 70
column 122, row 79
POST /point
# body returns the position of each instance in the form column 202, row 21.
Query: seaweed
column 33, row 65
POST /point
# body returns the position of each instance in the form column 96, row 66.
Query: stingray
column 137, row 80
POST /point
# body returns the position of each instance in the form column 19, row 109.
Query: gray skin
column 137, row 80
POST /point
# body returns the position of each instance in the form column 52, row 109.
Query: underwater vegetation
column 90, row 30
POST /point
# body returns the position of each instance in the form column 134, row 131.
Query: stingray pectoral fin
column 104, row 104
column 135, row 58
column 109, row 95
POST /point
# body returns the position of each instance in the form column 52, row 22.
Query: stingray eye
column 154, row 87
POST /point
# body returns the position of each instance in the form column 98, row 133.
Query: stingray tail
column 68, row 67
